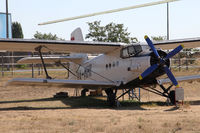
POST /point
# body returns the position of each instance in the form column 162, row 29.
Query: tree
column 49, row 36
column 110, row 33
column 17, row 30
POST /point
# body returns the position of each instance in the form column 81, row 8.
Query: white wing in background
column 50, row 59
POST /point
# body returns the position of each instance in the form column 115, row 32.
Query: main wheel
column 111, row 97
column 83, row 92
column 172, row 97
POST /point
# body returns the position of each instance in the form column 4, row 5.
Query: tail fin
column 77, row 35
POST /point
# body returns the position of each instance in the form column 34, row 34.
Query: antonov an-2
column 117, row 65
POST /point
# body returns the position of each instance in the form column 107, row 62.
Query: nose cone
column 155, row 60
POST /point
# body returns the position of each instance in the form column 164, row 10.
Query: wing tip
column 145, row 37
column 140, row 77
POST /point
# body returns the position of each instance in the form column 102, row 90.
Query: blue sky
column 184, row 16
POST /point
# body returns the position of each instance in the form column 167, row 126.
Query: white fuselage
column 111, row 67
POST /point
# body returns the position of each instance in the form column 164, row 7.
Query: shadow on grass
column 82, row 102
column 32, row 100
column 172, row 109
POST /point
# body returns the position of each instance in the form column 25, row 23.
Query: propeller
column 161, row 62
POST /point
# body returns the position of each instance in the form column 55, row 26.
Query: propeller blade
column 171, row 76
column 174, row 52
column 148, row 71
column 149, row 42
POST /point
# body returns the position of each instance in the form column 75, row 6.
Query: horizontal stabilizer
column 50, row 59
column 89, row 84
column 179, row 79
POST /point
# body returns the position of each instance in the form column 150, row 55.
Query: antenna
column 109, row 11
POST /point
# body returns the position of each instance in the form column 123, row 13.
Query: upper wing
column 89, row 84
column 58, row 46
column 180, row 79
column 171, row 44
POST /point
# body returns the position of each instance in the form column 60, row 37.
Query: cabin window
column 113, row 64
column 117, row 63
column 106, row 66
column 110, row 65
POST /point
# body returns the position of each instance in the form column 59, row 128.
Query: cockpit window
column 138, row 49
column 131, row 51
column 124, row 52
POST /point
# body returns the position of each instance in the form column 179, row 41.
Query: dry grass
column 32, row 109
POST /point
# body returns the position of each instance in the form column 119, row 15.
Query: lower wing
column 179, row 79
column 88, row 84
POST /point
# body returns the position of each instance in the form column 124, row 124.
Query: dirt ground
column 32, row 109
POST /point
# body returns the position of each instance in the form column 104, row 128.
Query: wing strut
column 59, row 63
column 43, row 64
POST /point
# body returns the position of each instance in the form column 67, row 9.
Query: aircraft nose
column 155, row 60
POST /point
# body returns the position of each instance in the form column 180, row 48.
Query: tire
column 83, row 92
column 172, row 97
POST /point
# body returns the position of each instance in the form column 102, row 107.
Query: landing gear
column 170, row 94
column 111, row 97
column 83, row 92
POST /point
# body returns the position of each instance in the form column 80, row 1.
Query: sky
column 184, row 20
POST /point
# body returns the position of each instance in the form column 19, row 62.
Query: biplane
column 116, row 65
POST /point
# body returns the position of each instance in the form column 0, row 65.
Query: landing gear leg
column 166, row 92
column 111, row 97
column 169, row 94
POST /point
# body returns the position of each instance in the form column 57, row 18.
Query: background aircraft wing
column 58, row 46
column 180, row 79
column 89, row 84
column 171, row 44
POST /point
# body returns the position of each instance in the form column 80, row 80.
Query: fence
column 9, row 65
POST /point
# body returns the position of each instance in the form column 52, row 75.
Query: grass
column 33, row 109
